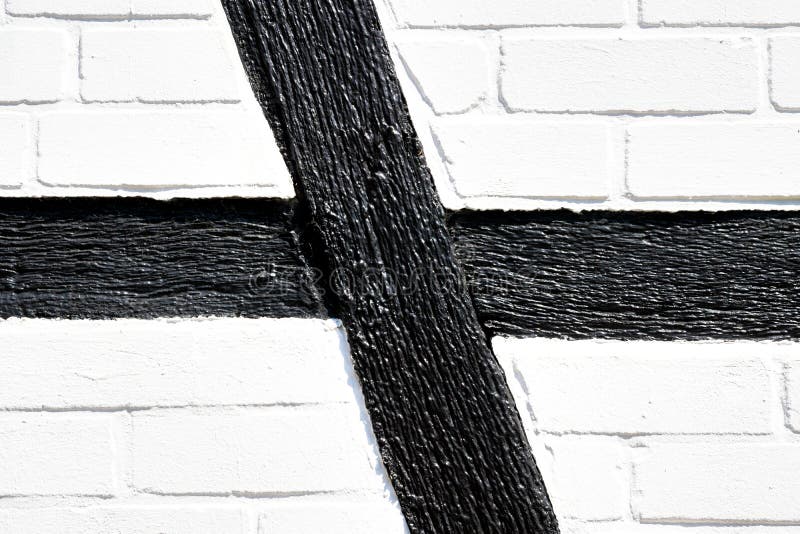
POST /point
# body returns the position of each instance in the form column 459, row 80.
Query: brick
column 589, row 481
column 56, row 454
column 620, row 527
column 16, row 149
column 173, row 8
column 785, row 82
column 96, row 364
column 156, row 65
column 631, row 75
column 159, row 149
column 275, row 451
column 793, row 395
column 78, row 8
column 38, row 59
column 720, row 13
column 110, row 8
column 512, row 158
column 718, row 482
column 314, row 518
column 200, row 519
column 714, row 160
column 643, row 387
column 424, row 13
column 452, row 72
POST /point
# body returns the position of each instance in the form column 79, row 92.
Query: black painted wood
column 633, row 275
column 447, row 427
column 104, row 258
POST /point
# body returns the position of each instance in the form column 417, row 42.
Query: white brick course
column 453, row 72
column 643, row 387
column 145, row 363
column 785, row 80
column 478, row 13
column 109, row 8
column 716, row 160
column 495, row 157
column 720, row 12
column 16, row 149
column 175, row 8
column 630, row 75
column 718, row 482
column 156, row 65
column 159, row 149
column 276, row 451
column 33, row 63
column 316, row 518
column 56, row 454
column 198, row 519
column 618, row 527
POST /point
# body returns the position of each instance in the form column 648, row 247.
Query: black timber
column 634, row 275
column 100, row 258
column 447, row 427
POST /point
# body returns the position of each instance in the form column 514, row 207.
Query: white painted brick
column 52, row 454
column 199, row 519
column 109, row 8
column 631, row 75
column 175, row 8
column 718, row 482
column 159, row 149
column 38, row 60
column 69, row 7
column 135, row 363
column 156, row 65
column 505, row 158
column 720, row 12
column 785, row 82
column 715, row 160
column 589, row 480
column 620, row 527
column 642, row 387
column 510, row 12
column 453, row 72
column 793, row 394
column 273, row 451
column 16, row 149
column 316, row 518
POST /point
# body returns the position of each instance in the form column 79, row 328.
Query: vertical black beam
column 446, row 424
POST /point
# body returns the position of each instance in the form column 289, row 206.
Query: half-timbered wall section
column 176, row 363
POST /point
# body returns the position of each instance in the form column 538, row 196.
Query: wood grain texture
column 100, row 258
column 634, row 275
column 448, row 429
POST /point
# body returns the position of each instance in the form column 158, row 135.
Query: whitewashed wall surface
column 256, row 426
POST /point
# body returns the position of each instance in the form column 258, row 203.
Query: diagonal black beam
column 446, row 424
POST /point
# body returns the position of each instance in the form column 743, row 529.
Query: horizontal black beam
column 98, row 258
column 632, row 275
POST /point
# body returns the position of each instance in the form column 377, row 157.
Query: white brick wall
column 223, row 426
column 129, row 97
column 633, row 437
column 641, row 72
column 698, row 100
column 720, row 12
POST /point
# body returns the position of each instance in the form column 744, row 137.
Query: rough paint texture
column 449, row 433
column 689, row 275
column 106, row 258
